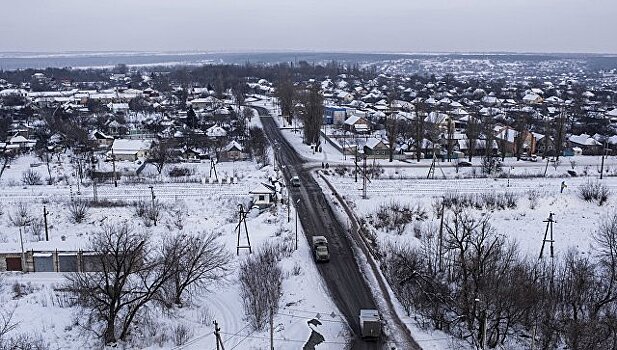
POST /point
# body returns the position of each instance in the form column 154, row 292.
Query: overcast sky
column 317, row 25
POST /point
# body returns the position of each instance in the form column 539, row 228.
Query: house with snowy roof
column 130, row 150
column 585, row 143
column 233, row 152
column 356, row 124
column 264, row 195
column 376, row 148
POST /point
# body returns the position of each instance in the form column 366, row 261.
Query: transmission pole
column 242, row 222
column 549, row 227
column 364, row 179
column 45, row 212
column 217, row 335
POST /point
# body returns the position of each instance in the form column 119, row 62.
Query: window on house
column 262, row 197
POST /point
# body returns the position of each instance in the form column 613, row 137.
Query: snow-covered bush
column 20, row 216
column 396, row 216
column 31, row 178
column 594, row 191
column 78, row 210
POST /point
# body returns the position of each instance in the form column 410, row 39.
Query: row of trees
column 135, row 274
column 471, row 282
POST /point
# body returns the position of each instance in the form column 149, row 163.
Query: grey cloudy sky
column 320, row 25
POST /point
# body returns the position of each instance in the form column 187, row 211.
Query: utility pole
column 602, row 165
column 153, row 203
column 23, row 252
column 271, row 327
column 241, row 221
column 217, row 335
column 364, row 179
column 297, row 202
column 443, row 212
column 549, row 226
column 113, row 162
column 288, row 206
column 45, row 212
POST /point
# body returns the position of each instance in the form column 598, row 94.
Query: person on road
column 563, row 186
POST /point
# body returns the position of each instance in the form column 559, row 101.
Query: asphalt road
column 342, row 275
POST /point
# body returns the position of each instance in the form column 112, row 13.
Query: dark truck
column 370, row 324
column 320, row 249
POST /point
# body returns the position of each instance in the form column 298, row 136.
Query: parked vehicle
column 370, row 324
column 320, row 249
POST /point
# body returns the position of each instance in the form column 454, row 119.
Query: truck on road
column 370, row 324
column 320, row 249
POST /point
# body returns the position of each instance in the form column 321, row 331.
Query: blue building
column 334, row 115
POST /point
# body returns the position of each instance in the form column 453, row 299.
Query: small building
column 130, row 150
column 376, row 148
column 264, row 195
column 334, row 115
column 357, row 125
column 233, row 152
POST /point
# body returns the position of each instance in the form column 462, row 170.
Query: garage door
column 43, row 262
column 91, row 262
column 13, row 264
column 67, row 262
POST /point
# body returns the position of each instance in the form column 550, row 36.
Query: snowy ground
column 536, row 185
column 209, row 207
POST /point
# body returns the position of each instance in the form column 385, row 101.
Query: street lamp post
column 297, row 202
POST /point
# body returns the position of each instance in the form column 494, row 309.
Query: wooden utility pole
column 602, row 164
column 364, row 179
column 271, row 328
column 153, row 203
column 242, row 222
column 217, row 335
column 213, row 169
column 443, row 212
column 549, row 226
column 113, row 162
column 45, row 212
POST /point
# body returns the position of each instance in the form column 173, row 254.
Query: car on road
column 295, row 181
column 320, row 249
column 464, row 164
column 370, row 324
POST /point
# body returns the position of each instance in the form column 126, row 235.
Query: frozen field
column 41, row 309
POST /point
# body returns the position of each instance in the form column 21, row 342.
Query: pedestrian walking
column 563, row 186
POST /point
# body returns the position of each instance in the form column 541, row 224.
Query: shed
column 67, row 262
column 43, row 262
column 264, row 195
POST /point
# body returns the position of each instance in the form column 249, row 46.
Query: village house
column 376, row 148
column 130, row 150
column 264, row 195
column 233, row 152
column 357, row 125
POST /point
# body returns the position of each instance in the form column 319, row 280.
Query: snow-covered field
column 536, row 187
column 41, row 309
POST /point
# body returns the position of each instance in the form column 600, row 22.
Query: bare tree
column 392, row 128
column 286, row 94
column 197, row 260
column 130, row 276
column 473, row 134
column 6, row 158
column 418, row 129
column 258, row 144
column 559, row 129
column 159, row 156
column 260, row 286
column 21, row 215
column 313, row 114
